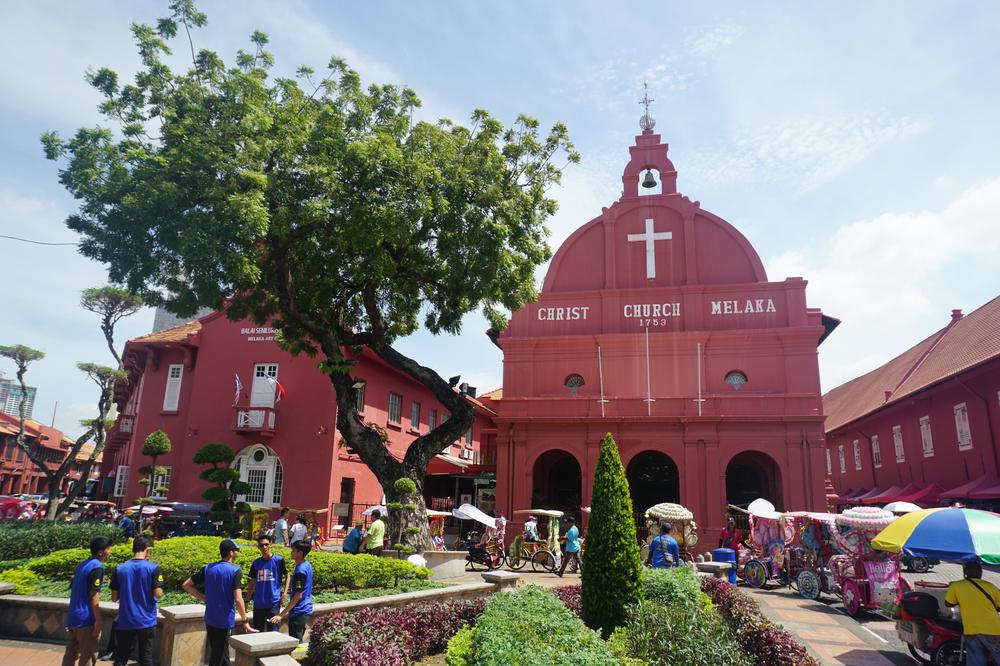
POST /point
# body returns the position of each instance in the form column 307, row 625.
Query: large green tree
column 314, row 204
column 612, row 579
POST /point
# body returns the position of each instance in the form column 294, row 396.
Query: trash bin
column 726, row 555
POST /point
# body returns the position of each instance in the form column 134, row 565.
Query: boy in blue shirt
column 300, row 606
column 223, row 584
column 664, row 552
column 572, row 546
column 83, row 621
column 136, row 585
column 269, row 581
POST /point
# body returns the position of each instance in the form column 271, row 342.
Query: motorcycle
column 930, row 637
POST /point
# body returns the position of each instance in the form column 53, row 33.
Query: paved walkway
column 30, row 654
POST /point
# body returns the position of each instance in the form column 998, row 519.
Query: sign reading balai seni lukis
column 660, row 312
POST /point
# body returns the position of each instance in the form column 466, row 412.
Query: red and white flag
column 279, row 390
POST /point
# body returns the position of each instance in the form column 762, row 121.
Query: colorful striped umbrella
column 948, row 534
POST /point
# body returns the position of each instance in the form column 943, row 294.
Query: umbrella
column 901, row 507
column 149, row 510
column 761, row 508
column 947, row 534
column 381, row 509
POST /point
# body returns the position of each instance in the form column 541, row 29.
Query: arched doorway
column 652, row 479
column 260, row 466
column 750, row 475
column 556, row 483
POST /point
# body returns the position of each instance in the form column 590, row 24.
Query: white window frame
column 274, row 474
column 857, row 455
column 359, row 395
column 926, row 437
column 829, row 464
column 172, row 390
column 395, row 406
column 876, row 452
column 432, row 419
column 415, row 416
column 161, row 480
column 843, row 460
column 468, row 436
column 962, row 431
column 121, row 481
column 897, row 443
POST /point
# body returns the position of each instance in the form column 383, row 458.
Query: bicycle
column 522, row 552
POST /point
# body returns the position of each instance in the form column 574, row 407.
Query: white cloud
column 881, row 277
column 712, row 40
column 808, row 150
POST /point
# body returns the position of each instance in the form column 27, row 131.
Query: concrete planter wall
column 443, row 564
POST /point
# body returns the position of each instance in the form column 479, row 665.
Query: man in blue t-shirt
column 269, row 581
column 572, row 551
column 663, row 551
column 223, row 596
column 83, row 621
column 352, row 542
column 136, row 585
column 300, row 606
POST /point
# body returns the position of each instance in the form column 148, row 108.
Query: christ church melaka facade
column 216, row 380
column 656, row 323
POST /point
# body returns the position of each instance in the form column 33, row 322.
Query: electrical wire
column 28, row 240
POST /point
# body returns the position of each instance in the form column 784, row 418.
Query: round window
column 259, row 455
column 736, row 379
column 574, row 382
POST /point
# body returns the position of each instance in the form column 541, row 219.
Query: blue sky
column 854, row 144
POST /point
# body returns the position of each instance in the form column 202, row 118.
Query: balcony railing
column 254, row 419
column 125, row 423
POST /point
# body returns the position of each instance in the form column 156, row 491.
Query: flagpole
column 649, row 397
column 600, row 372
column 700, row 400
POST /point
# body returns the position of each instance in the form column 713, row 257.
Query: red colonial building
column 18, row 475
column 281, row 421
column 925, row 422
column 657, row 323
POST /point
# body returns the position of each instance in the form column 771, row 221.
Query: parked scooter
column 931, row 639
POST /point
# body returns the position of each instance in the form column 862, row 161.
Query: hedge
column 531, row 627
column 767, row 643
column 24, row 580
column 179, row 557
column 20, row 539
column 393, row 636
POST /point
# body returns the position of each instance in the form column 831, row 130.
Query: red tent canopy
column 848, row 497
column 929, row 495
column 859, row 499
column 962, row 491
column 986, row 492
column 908, row 489
column 889, row 492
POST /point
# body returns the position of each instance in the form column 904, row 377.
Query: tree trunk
column 398, row 520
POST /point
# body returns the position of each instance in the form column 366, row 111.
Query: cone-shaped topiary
column 612, row 577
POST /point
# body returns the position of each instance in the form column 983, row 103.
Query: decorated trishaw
column 485, row 547
column 685, row 529
column 865, row 578
column 315, row 531
column 768, row 538
column 807, row 556
column 435, row 524
column 544, row 554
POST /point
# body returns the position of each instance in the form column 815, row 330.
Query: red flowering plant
column 767, row 643
column 392, row 636
column 570, row 595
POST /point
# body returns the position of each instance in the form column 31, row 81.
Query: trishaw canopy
column 469, row 512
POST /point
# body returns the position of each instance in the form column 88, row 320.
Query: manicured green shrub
column 61, row 564
column 228, row 486
column 671, row 586
column 461, row 650
column 612, row 578
column 531, row 626
column 24, row 579
column 21, row 539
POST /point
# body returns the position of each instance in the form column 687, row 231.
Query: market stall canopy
column 815, row 515
column 986, row 492
column 886, row 495
column 551, row 513
column 378, row 507
column 849, row 496
column 469, row 512
column 670, row 511
column 962, row 491
column 434, row 513
column 927, row 495
column 761, row 508
column 951, row 534
column 860, row 499
column 444, row 463
column 908, row 489
column 150, row 509
column 901, row 507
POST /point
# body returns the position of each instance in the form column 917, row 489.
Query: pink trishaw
column 865, row 578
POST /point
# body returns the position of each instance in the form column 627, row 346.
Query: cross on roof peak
column 647, row 122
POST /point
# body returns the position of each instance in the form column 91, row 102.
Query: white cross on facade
column 650, row 239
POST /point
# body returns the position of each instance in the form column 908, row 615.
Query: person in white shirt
column 299, row 529
column 281, row 529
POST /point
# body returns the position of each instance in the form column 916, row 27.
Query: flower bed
column 766, row 642
column 388, row 636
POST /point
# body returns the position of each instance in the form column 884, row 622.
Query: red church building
column 657, row 323
column 215, row 380
column 926, row 425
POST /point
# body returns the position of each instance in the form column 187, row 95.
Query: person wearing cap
column 223, row 596
column 572, row 546
column 269, row 581
column 531, row 529
column 979, row 602
column 136, row 585
column 352, row 542
column 300, row 606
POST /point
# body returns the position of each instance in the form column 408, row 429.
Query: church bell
column 648, row 181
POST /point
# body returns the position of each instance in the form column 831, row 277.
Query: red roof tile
column 177, row 333
column 964, row 343
column 495, row 394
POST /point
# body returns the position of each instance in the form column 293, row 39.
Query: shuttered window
column 432, row 419
column 395, row 408
column 121, row 481
column 857, row 455
column 415, row 416
column 962, row 427
column 161, row 485
column 172, row 394
column 876, row 452
column 926, row 441
column 843, row 462
column 829, row 465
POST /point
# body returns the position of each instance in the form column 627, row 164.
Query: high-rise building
column 10, row 398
